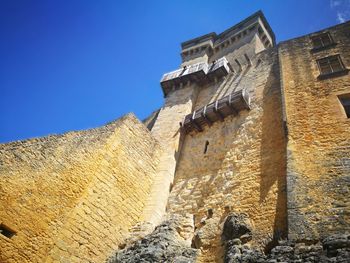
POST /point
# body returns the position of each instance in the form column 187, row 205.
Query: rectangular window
column 322, row 41
column 345, row 101
column 6, row 231
column 330, row 65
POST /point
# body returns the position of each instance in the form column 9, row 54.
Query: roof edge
column 213, row 36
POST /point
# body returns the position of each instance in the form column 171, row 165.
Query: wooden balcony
column 219, row 68
column 216, row 111
column 195, row 72
column 200, row 72
column 181, row 76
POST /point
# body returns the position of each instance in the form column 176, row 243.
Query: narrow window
column 258, row 63
column 322, row 41
column 206, row 147
column 330, row 65
column 6, row 231
column 248, row 60
column 210, row 213
column 345, row 101
column 239, row 64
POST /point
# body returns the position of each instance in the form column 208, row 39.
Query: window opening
column 345, row 101
column 6, row 231
column 322, row 40
column 248, row 60
column 210, row 213
column 206, row 147
column 331, row 64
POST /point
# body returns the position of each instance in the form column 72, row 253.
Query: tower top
column 212, row 41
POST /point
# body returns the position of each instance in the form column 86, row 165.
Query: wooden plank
column 206, row 118
column 194, row 123
column 230, row 104
column 217, row 112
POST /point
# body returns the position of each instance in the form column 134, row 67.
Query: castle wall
column 250, row 180
column 166, row 129
column 234, row 81
column 243, row 169
column 73, row 197
column 318, row 137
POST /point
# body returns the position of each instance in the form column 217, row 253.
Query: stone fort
column 248, row 160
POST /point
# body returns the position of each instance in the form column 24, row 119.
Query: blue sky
column 77, row 64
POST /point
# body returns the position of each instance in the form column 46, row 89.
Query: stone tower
column 248, row 160
column 224, row 103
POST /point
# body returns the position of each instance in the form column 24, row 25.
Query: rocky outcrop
column 169, row 242
column 334, row 248
column 206, row 233
column 237, row 226
column 237, row 231
column 237, row 234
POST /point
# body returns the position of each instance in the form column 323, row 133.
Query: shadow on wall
column 273, row 152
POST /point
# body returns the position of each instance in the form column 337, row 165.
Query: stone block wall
column 73, row 197
column 229, row 193
column 237, row 80
column 166, row 129
column 318, row 137
column 243, row 169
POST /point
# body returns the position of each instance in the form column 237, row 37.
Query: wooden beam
column 205, row 117
column 230, row 104
column 218, row 112
column 195, row 124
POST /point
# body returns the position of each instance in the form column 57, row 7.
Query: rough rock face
column 335, row 248
column 169, row 242
column 323, row 252
column 237, row 226
column 206, row 233
column 237, row 231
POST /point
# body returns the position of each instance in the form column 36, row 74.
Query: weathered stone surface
column 73, row 197
column 336, row 244
column 244, row 166
column 318, row 137
column 241, row 254
column 237, row 226
column 335, row 249
column 206, row 233
column 167, row 243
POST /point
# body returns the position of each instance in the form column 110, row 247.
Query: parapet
column 211, row 43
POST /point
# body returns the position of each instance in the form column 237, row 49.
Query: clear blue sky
column 76, row 64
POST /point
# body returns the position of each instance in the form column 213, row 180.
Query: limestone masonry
column 247, row 161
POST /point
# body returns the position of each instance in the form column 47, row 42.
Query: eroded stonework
column 169, row 242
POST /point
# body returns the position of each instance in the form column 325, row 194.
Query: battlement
column 212, row 43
